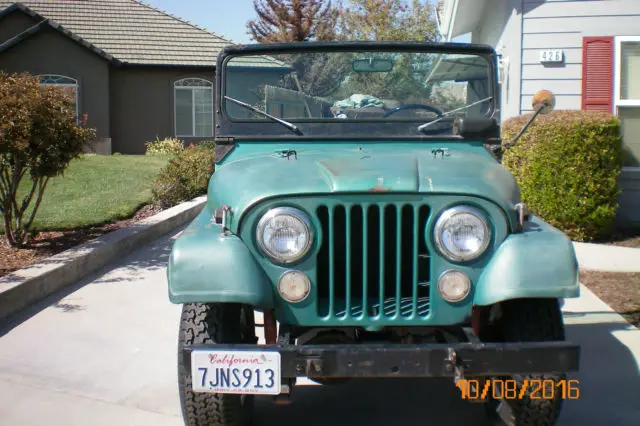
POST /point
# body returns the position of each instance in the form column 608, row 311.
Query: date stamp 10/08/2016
column 510, row 389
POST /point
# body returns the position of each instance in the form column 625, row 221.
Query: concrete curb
column 35, row 282
column 607, row 258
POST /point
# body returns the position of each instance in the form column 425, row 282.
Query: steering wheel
column 413, row 106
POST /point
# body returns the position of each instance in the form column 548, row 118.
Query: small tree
column 389, row 20
column 39, row 136
column 293, row 20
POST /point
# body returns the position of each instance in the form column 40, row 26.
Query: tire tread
column 533, row 320
column 208, row 324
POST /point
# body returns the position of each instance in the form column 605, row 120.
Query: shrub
column 171, row 146
column 39, row 136
column 185, row 177
column 203, row 144
column 567, row 165
column 207, row 144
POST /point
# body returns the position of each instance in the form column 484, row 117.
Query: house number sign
column 551, row 56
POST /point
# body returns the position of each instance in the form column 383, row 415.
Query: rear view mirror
column 372, row 65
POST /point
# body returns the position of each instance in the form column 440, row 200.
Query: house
column 137, row 72
column 587, row 52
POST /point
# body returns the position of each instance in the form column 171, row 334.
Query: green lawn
column 97, row 189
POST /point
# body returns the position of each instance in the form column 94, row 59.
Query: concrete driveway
column 104, row 354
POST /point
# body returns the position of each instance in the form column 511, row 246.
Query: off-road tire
column 527, row 320
column 209, row 324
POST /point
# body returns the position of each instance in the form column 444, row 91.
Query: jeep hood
column 245, row 180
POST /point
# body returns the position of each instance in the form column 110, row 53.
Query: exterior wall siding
column 142, row 105
column 629, row 199
column 502, row 26
column 50, row 52
column 13, row 24
column 562, row 24
column 521, row 29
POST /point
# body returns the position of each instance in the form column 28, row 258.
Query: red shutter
column 597, row 74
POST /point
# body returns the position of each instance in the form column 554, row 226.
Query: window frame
column 176, row 86
column 74, row 84
column 617, row 80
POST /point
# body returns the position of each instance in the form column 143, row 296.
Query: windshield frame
column 331, row 129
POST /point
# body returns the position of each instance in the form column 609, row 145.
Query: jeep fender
column 207, row 267
column 539, row 262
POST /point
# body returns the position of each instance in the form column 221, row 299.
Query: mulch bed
column 620, row 290
column 629, row 237
column 627, row 242
column 46, row 244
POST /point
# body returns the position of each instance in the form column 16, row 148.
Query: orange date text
column 510, row 389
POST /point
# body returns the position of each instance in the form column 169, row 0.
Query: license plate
column 240, row 372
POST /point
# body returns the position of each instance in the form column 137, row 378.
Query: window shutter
column 597, row 74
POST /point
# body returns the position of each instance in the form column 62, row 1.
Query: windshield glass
column 367, row 86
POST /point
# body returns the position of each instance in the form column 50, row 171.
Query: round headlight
column 462, row 233
column 284, row 234
column 294, row 286
column 454, row 286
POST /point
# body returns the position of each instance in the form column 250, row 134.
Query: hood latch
column 444, row 152
column 288, row 153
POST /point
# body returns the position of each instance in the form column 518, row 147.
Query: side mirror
column 543, row 103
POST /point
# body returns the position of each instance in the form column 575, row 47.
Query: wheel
column 213, row 323
column 526, row 320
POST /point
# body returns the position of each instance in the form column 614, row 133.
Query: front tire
column 530, row 320
column 210, row 324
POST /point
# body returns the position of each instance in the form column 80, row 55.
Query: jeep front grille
column 373, row 262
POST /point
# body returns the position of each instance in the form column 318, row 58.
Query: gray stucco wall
column 13, row 24
column 142, row 105
column 50, row 52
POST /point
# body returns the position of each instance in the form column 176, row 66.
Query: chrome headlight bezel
column 441, row 224
column 289, row 211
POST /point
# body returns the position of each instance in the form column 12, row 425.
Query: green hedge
column 567, row 166
column 185, row 177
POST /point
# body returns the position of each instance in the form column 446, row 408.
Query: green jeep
column 359, row 209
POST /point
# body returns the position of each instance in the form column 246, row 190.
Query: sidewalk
column 607, row 258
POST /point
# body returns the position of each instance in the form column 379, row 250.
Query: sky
column 226, row 18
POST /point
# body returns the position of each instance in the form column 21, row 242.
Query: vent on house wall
column 597, row 74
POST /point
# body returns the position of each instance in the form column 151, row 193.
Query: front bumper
column 422, row 360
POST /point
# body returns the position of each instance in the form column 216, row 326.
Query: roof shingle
column 132, row 32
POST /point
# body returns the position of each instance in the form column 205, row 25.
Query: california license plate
column 240, row 372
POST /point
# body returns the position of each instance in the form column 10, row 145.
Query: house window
column 193, row 101
column 68, row 85
column 627, row 99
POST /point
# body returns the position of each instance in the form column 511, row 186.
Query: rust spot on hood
column 379, row 188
